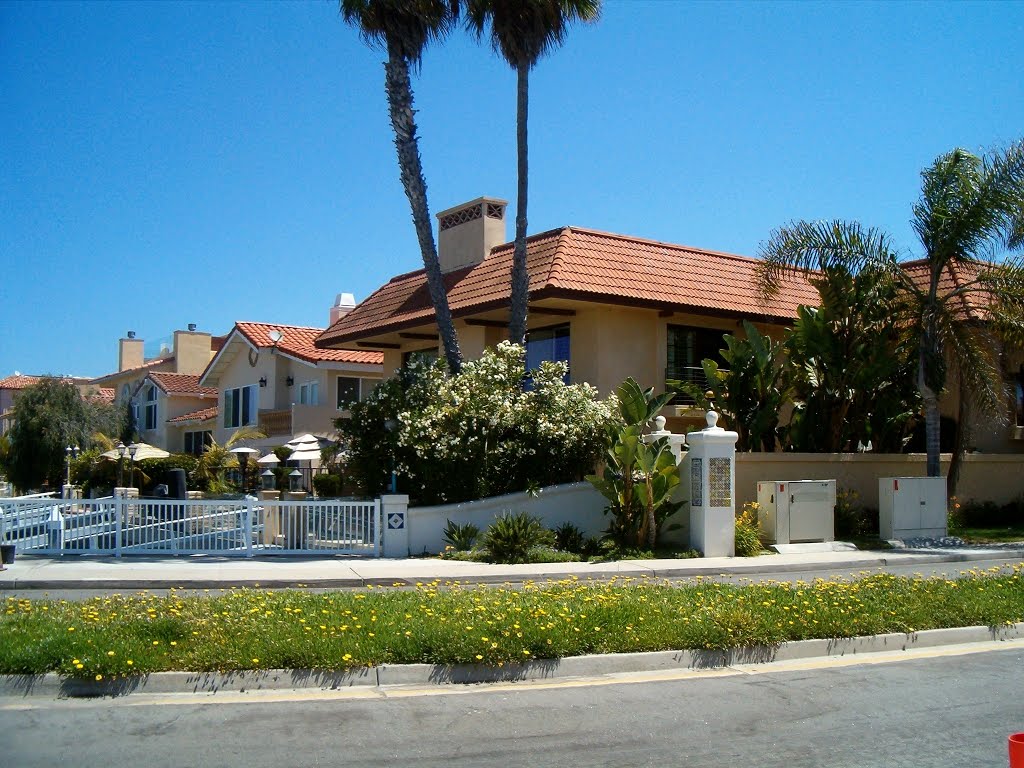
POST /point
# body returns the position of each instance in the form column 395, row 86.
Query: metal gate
column 242, row 527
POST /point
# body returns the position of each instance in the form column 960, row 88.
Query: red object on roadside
column 1016, row 744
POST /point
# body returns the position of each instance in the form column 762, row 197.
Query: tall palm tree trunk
column 403, row 121
column 520, row 278
column 931, row 411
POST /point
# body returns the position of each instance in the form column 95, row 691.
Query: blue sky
column 168, row 163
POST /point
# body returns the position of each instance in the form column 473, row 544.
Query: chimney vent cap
column 131, row 334
column 191, row 327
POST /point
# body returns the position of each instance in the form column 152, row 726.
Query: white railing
column 243, row 527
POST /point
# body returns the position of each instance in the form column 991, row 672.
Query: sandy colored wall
column 984, row 477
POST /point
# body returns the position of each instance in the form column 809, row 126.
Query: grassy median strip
column 438, row 623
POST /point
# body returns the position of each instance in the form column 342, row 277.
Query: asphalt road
column 938, row 708
column 943, row 570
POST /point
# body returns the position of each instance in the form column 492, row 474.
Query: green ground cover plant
column 125, row 635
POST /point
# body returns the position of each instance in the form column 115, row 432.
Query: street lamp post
column 70, row 453
column 121, row 448
column 132, row 450
column 243, row 455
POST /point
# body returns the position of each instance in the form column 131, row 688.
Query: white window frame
column 151, row 409
column 238, row 394
column 309, row 393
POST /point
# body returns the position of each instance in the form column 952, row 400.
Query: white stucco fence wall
column 576, row 503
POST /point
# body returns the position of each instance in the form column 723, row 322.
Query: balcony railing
column 692, row 374
column 276, row 422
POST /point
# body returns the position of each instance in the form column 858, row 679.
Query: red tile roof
column 182, row 384
column 588, row 265
column 104, row 395
column 204, row 414
column 297, row 341
column 974, row 303
column 19, row 381
column 146, row 365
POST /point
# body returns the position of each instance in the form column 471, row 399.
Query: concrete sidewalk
column 210, row 572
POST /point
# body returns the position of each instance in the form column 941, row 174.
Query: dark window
column 348, row 392
column 240, row 406
column 687, row 349
column 197, row 442
column 427, row 355
column 547, row 344
column 150, row 408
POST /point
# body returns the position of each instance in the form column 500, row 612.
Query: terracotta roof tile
column 298, row 342
column 19, row 381
column 181, row 384
column 155, row 363
column 204, row 414
column 104, row 395
column 575, row 263
column 953, row 276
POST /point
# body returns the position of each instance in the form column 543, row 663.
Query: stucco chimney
column 343, row 304
column 192, row 351
column 467, row 233
column 129, row 352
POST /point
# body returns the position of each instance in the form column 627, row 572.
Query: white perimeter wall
column 576, row 503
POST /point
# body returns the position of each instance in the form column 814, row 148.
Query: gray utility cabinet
column 911, row 507
column 792, row 511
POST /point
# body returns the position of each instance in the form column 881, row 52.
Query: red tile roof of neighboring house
column 588, row 265
column 19, row 381
column 974, row 301
column 297, row 341
column 148, row 364
column 204, row 414
column 182, row 384
column 104, row 394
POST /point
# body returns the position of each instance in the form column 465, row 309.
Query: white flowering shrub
column 479, row 433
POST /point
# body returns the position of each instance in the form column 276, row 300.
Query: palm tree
column 522, row 31
column 959, row 299
column 217, row 458
column 403, row 28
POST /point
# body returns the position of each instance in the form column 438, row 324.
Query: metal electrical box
column 911, row 507
column 791, row 511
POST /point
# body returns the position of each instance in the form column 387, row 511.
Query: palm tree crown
column 965, row 294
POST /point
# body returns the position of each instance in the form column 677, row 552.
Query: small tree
column 639, row 477
column 48, row 417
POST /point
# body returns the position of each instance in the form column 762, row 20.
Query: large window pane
column 547, row 344
column 348, row 392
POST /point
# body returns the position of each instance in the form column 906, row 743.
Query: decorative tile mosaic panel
column 720, row 482
column 696, row 482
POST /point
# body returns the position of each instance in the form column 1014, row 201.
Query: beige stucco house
column 189, row 353
column 167, row 406
column 272, row 377
column 610, row 305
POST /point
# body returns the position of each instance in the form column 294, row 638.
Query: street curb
column 52, row 685
column 686, row 568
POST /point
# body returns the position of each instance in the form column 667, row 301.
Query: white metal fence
column 243, row 527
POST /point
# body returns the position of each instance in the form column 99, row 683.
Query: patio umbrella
column 305, row 448
column 142, row 451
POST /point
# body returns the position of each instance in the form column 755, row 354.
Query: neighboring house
column 189, row 353
column 12, row 385
column 161, row 400
column 9, row 389
column 272, row 377
column 611, row 306
column 995, row 433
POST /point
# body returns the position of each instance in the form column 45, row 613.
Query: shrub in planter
column 569, row 538
column 511, row 536
column 461, row 537
column 748, row 535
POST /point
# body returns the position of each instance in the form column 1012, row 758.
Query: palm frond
column 805, row 247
